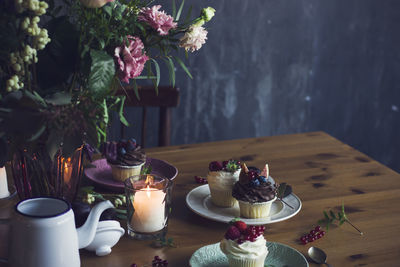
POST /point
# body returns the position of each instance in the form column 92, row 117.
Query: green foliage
column 164, row 242
column 330, row 218
column 68, row 95
column 102, row 72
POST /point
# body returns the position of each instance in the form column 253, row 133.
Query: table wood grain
column 323, row 171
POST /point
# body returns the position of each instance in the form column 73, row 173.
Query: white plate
column 279, row 255
column 199, row 201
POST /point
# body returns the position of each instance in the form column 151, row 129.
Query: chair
column 167, row 98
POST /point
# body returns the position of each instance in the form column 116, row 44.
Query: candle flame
column 148, row 191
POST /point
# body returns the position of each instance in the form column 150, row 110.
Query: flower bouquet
column 61, row 64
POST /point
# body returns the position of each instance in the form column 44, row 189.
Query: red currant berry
column 313, row 232
column 305, row 241
column 322, row 233
column 317, row 228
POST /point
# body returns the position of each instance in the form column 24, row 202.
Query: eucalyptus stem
column 361, row 233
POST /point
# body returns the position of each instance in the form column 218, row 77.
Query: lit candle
column 3, row 183
column 149, row 214
column 67, row 170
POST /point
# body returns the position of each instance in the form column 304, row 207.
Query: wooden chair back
column 167, row 98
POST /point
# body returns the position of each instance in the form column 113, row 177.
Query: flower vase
column 36, row 174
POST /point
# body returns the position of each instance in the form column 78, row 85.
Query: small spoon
column 318, row 255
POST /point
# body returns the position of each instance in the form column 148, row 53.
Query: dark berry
column 232, row 233
column 224, row 163
column 215, row 166
column 134, row 265
column 240, row 241
column 317, row 228
column 122, row 151
column 130, row 146
column 252, row 168
column 252, row 175
column 262, row 179
column 255, row 183
column 313, row 232
column 305, row 241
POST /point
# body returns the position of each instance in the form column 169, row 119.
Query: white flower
column 194, row 38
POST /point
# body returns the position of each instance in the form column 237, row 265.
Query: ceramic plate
column 279, row 256
column 199, row 201
column 101, row 173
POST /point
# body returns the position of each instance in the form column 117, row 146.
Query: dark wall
column 275, row 67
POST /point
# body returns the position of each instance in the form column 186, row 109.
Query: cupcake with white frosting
column 221, row 178
column 244, row 246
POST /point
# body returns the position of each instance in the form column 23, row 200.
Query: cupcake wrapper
column 247, row 262
column 255, row 210
column 222, row 198
column 121, row 173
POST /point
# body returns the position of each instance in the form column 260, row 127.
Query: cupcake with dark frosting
column 254, row 192
column 125, row 157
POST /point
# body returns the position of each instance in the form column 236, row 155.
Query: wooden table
column 323, row 171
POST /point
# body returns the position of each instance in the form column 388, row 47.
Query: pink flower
column 194, row 38
column 95, row 3
column 130, row 59
column 158, row 20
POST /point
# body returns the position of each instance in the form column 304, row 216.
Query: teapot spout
column 87, row 231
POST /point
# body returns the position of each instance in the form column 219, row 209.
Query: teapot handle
column 4, row 221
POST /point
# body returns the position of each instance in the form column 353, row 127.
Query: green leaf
column 326, row 216
column 136, row 90
column 178, row 15
column 102, row 72
column 145, row 77
column 121, row 113
column 37, row 134
column 173, row 8
column 332, row 214
column 183, row 66
column 108, row 10
column 171, row 70
column 157, row 73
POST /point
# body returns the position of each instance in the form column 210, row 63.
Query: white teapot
column 43, row 233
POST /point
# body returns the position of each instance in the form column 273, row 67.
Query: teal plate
column 279, row 256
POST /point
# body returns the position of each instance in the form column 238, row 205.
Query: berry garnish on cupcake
column 227, row 166
column 244, row 245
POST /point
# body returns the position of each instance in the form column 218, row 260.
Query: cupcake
column 126, row 158
column 244, row 246
column 254, row 193
column 221, row 178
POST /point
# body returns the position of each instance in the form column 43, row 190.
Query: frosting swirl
column 131, row 158
column 253, row 194
column 246, row 249
column 222, row 179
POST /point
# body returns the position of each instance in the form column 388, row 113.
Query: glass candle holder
column 148, row 200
